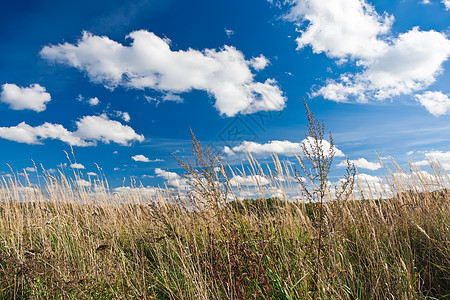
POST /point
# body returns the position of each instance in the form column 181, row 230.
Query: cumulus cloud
column 123, row 115
column 144, row 191
column 77, row 166
column 126, row 117
column 91, row 174
column 259, row 63
column 100, row 128
column 352, row 31
column 446, row 4
column 33, row 97
column 140, row 157
column 410, row 64
column 93, row 101
column 251, row 180
column 285, row 148
column 150, row 63
column 172, row 97
column 368, row 183
column 90, row 129
column 341, row 28
column 24, row 133
column 30, row 169
column 437, row 103
column 442, row 157
column 362, row 163
column 83, row 183
column 172, row 178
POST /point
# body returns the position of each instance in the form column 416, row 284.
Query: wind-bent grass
column 63, row 241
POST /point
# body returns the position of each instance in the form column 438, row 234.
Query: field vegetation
column 61, row 240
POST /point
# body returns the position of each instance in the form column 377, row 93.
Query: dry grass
column 64, row 242
column 61, row 240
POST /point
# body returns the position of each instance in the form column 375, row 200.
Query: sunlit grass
column 254, row 232
column 60, row 240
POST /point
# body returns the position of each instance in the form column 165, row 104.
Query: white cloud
column 30, row 169
column 100, row 128
column 437, row 103
column 140, row 157
column 24, row 133
column 259, row 63
column 93, row 101
column 285, row 148
column 172, row 97
column 362, row 163
column 442, row 157
column 341, row 28
column 172, row 178
column 446, row 4
column 151, row 191
column 410, row 64
column 91, row 174
column 83, row 183
column 251, row 180
column 126, row 117
column 123, row 115
column 90, row 129
column 33, row 97
column 372, row 180
column 389, row 66
column 150, row 63
column 229, row 32
column 77, row 166
column 370, row 183
column 425, row 2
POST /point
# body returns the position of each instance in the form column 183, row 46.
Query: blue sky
column 122, row 83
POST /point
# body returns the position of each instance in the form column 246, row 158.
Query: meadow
column 61, row 240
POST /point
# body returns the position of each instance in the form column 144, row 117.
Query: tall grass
column 63, row 240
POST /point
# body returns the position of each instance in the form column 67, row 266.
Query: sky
column 85, row 85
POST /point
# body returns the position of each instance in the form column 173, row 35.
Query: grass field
column 389, row 240
column 61, row 241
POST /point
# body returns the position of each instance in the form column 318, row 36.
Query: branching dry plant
column 313, row 178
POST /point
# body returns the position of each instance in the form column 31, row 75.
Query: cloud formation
column 150, row 63
column 100, row 128
column 90, row 130
column 352, row 31
column 285, row 148
column 33, row 97
column 172, row 178
column 24, row 133
column 252, row 180
column 77, row 166
column 442, row 157
column 143, row 158
column 144, row 191
column 341, row 28
column 93, row 101
column 140, row 157
column 410, row 64
column 437, row 103
column 362, row 163
column 446, row 4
